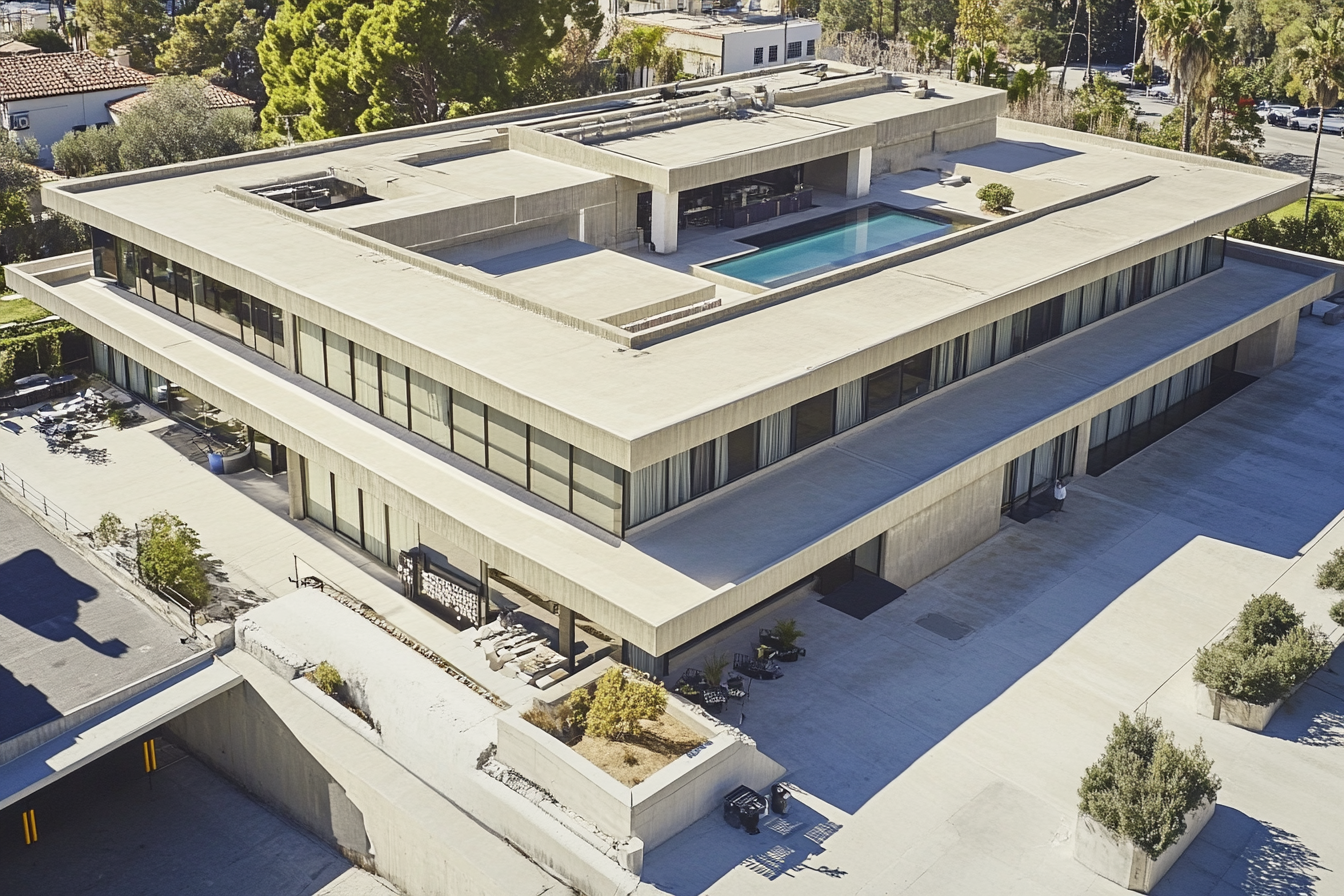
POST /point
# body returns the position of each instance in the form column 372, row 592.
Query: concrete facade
column 492, row 244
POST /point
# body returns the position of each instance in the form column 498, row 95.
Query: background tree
column 44, row 39
column 930, row 47
column 338, row 67
column 1318, row 64
column 139, row 25
column 173, row 124
column 980, row 28
column 1193, row 36
column 640, row 50
column 841, row 16
column 218, row 41
column 569, row 72
column 27, row 230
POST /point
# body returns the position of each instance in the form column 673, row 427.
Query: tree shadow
column 1314, row 716
column 1245, row 854
column 43, row 598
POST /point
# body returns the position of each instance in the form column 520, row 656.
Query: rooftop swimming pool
column 833, row 241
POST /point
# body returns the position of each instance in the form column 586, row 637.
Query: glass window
column 165, row 293
column 758, row 56
column 1216, row 245
column 430, row 409
column 703, row 462
column 340, row 367
column 1045, row 322
column 508, row 446
column 884, row 391
column 366, row 379
column 469, row 427
column 648, row 492
column 849, row 405
column 678, row 479
column 144, row 281
column 277, row 326
column 548, row 460
column 219, row 309
column 402, row 534
column 775, row 439
column 100, row 358
column 317, row 493
column 739, row 452
column 795, row 49
column 312, row 359
column 104, row 253
column 915, row 373
column 813, row 420
column 346, row 496
column 597, row 490
column 396, row 395
column 979, row 349
column 245, row 319
column 812, row 48
column 774, row 53
column 261, row 325
column 128, row 264
column 185, row 284
column 375, row 526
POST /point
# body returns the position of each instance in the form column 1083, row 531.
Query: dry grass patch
column 632, row 761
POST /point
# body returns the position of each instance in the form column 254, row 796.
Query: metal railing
column 41, row 502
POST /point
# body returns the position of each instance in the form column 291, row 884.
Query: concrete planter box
column 1117, row 858
column 673, row 797
column 1222, row 708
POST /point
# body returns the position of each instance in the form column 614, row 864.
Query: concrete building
column 44, row 96
column 726, row 42
column 457, row 340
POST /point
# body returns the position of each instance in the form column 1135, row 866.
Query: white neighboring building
column 728, row 43
column 46, row 95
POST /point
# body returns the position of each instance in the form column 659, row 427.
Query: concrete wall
column 739, row 48
column 654, row 810
column 1268, row 348
column 238, row 735
column 937, row 535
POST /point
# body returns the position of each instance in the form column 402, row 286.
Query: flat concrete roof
column 718, row 138
column 636, row 407
column 693, row 568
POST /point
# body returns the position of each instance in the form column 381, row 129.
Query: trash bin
column 779, row 799
column 743, row 808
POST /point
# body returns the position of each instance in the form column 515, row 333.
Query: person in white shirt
column 1060, row 494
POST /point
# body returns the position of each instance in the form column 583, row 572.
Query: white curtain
column 980, row 349
column 775, row 437
column 1194, row 260
column 945, row 363
column 366, row 378
column 721, row 461
column 648, row 492
column 1094, row 303
column 678, row 479
column 848, row 405
column 1098, row 431
column 1073, row 311
column 1003, row 340
column 1118, row 288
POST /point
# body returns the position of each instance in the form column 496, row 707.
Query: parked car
column 1275, row 113
column 1158, row 75
column 1331, row 124
column 1306, row 119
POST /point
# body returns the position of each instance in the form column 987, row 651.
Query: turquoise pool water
column 834, row 241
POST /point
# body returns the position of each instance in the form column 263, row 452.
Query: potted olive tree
column 1142, row 803
column 1247, row 675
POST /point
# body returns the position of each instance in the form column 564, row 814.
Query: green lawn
column 1297, row 209
column 12, row 310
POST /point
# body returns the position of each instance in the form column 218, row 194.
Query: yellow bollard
column 151, row 758
column 29, row 827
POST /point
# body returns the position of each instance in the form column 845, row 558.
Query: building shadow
column 24, row 706
column 1238, row 853
column 40, row 596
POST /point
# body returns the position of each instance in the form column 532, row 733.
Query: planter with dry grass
column 663, row 764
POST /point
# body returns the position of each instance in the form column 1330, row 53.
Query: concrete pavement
column 950, row 767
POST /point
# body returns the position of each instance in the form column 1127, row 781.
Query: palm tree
column 1318, row 63
column 1193, row 36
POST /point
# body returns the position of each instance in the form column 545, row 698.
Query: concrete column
column 485, row 592
column 663, row 228
column 1080, row 450
column 567, row 637
column 1268, row 348
column 937, row 535
column 858, row 173
column 294, row 475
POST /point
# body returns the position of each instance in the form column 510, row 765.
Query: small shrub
column 995, row 197
column 169, row 555
column 1266, row 618
column 1330, row 574
column 787, row 632
column 119, row 417
column 109, row 530
column 327, row 678
column 1144, row 784
column 629, row 758
column 1337, row 612
column 714, row 666
column 1268, row 654
column 579, row 702
column 620, row 703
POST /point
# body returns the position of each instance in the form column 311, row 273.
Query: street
column 1284, row 150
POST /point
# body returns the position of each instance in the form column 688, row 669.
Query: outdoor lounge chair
column 764, row 670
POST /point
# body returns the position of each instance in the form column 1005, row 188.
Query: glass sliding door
column 508, row 446
column 312, row 352
column 396, row 393
column 598, row 490
column 317, row 493
column 548, row 463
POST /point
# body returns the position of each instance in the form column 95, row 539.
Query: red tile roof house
column 216, row 96
column 45, row 95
